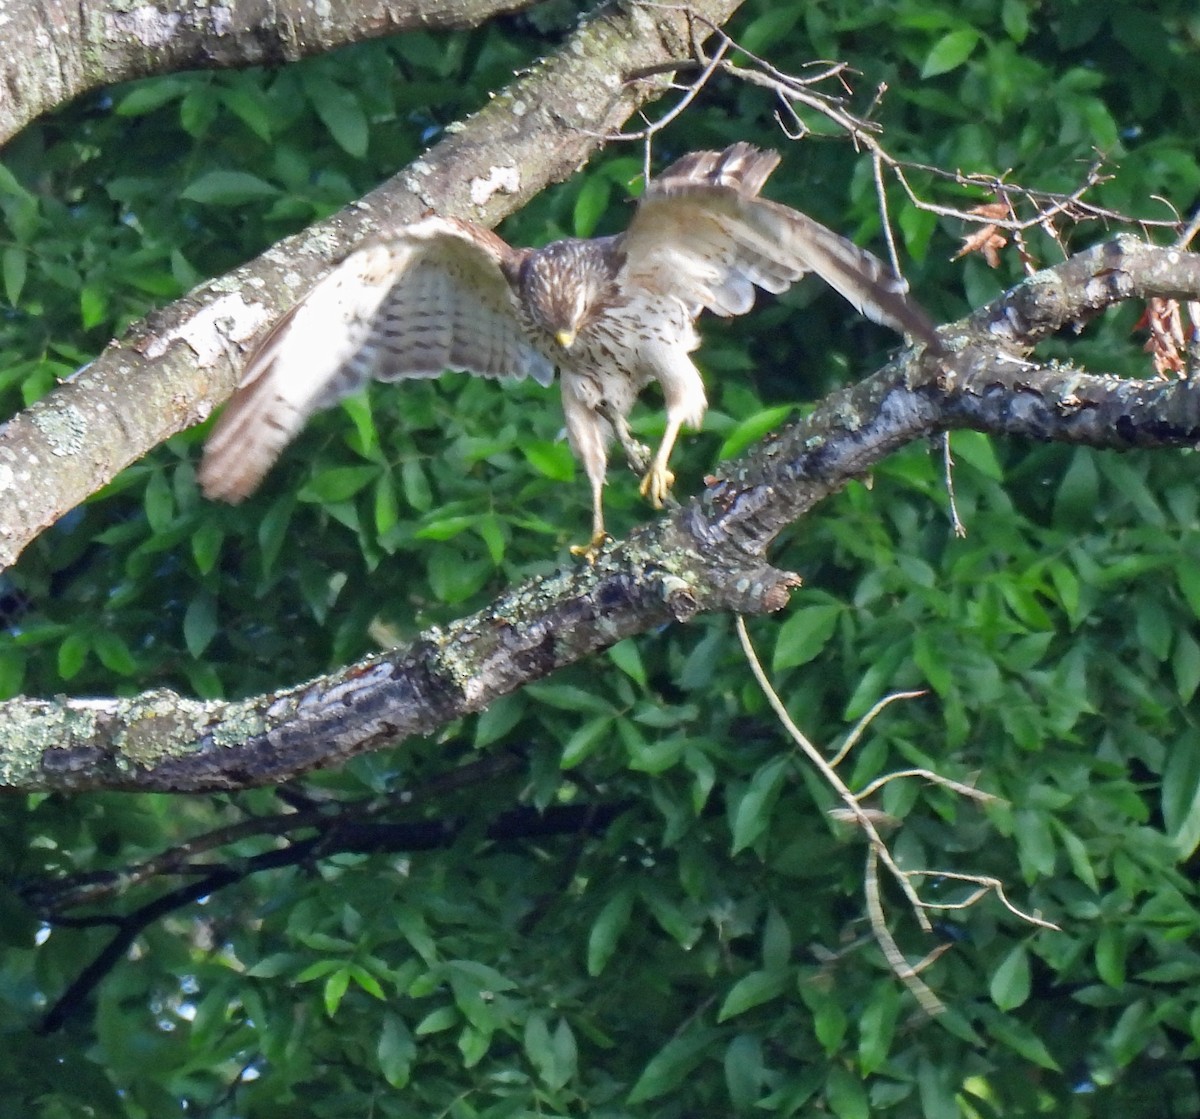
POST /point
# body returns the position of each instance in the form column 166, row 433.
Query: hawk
column 611, row 314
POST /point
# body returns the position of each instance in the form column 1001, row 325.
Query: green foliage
column 705, row 952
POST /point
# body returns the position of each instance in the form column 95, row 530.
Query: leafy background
column 706, row 952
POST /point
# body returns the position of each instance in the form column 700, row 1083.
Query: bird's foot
column 637, row 455
column 592, row 549
column 656, row 485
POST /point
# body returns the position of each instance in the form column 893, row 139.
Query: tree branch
column 707, row 555
column 347, row 837
column 57, row 51
column 171, row 370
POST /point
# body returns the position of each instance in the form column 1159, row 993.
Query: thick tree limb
column 175, row 366
column 706, row 556
column 55, row 51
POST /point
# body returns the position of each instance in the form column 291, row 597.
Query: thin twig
column 829, row 773
column 862, row 724
column 896, row 960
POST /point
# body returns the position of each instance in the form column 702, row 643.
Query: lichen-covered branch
column 708, row 555
column 171, row 369
column 55, row 51
column 987, row 382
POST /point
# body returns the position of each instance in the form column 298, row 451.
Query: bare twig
column 877, row 851
column 829, row 773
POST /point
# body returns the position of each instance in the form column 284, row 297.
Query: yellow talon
column 592, row 549
column 656, row 485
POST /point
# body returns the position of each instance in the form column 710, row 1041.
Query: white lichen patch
column 157, row 725
column 28, row 734
column 211, row 329
column 145, row 23
column 236, row 727
column 63, row 426
column 507, row 179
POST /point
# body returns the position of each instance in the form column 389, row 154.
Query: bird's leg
column 657, row 483
column 593, row 547
column 637, row 454
column 683, row 391
column 587, row 433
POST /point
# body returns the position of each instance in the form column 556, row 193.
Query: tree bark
column 174, row 367
column 707, row 555
column 56, row 51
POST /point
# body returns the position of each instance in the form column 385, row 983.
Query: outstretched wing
column 433, row 298
column 702, row 233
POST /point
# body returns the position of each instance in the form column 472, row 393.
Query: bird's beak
column 565, row 338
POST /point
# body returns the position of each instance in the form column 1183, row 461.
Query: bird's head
column 567, row 284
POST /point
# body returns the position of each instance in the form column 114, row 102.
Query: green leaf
column 753, row 811
column 416, row 486
column 453, row 579
column 273, row 531
column 340, row 111
column 590, row 204
column 1077, row 854
column 200, row 623
column 396, row 1051
column 1014, row 14
column 1010, row 1031
column 72, row 655
column 1185, row 665
column 1035, row 844
column 554, row 1055
column 753, row 989
column 93, row 305
column 387, row 508
column 744, row 1071
column 628, row 658
column 227, row 188
column 846, row 1094
column 366, row 981
column 1111, row 947
column 667, row 1069
column 276, row 964
column 877, row 1027
column 114, row 654
column 206, row 545
column 159, row 501
column 15, row 267
column 337, row 483
column 12, row 672
column 145, row 97
column 585, row 739
column 1181, row 795
column 805, row 633
column 606, row 930
column 249, row 104
column 777, row 941
column 950, row 52
column 774, row 26
column 830, row 1024
column 1009, row 985
column 553, row 460
column 753, row 428
column 977, row 450
column 335, row 989
column 436, row 1021
column 934, row 1084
